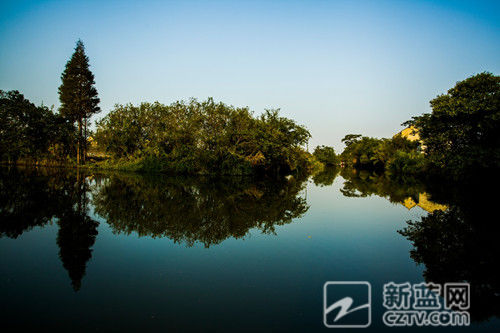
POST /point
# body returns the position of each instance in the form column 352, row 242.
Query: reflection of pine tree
column 76, row 236
column 30, row 198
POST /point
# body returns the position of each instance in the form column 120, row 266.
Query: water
column 121, row 252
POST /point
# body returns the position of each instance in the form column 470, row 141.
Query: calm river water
column 122, row 252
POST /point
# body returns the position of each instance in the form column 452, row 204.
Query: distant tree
column 397, row 155
column 350, row 139
column 325, row 155
column 360, row 151
column 462, row 133
column 78, row 96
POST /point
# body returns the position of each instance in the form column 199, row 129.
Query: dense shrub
column 326, row 155
column 372, row 153
column 406, row 163
column 203, row 137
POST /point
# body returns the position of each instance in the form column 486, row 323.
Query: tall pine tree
column 78, row 96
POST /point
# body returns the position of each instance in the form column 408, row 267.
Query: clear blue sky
column 337, row 67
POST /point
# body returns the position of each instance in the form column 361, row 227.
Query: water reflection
column 456, row 241
column 186, row 210
column 461, row 244
column 190, row 210
column 23, row 201
column 34, row 198
column 77, row 232
column 325, row 177
column 410, row 192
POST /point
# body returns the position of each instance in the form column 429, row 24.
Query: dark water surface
column 122, row 252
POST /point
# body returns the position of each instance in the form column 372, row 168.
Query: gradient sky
column 337, row 67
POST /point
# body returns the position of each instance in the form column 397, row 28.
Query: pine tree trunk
column 79, row 143
column 84, row 139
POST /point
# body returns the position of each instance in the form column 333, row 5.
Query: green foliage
column 406, row 163
column 349, row 139
column 326, row 155
column 462, row 134
column 31, row 132
column 202, row 137
column 78, row 95
column 372, row 153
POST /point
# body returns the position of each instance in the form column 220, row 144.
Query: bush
column 406, row 163
column 204, row 138
column 326, row 155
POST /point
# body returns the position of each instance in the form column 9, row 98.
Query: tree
column 462, row 134
column 349, row 139
column 30, row 132
column 78, row 96
column 325, row 155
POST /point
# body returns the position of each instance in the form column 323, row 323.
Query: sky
column 337, row 67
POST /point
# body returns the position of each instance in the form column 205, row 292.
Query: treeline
column 397, row 155
column 203, row 138
column 459, row 137
column 192, row 138
column 32, row 133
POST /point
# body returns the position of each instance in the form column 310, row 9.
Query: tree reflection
column 364, row 183
column 30, row 198
column 189, row 210
column 75, row 238
column 23, row 201
column 456, row 241
column 460, row 244
column 77, row 233
column 325, row 177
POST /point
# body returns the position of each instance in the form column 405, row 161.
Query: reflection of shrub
column 205, row 210
column 325, row 177
column 361, row 183
column 406, row 163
